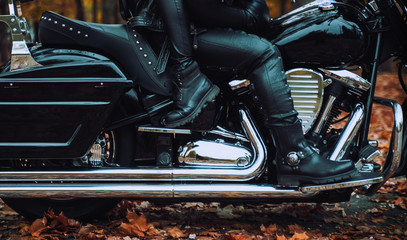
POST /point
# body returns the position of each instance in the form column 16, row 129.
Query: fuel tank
column 322, row 34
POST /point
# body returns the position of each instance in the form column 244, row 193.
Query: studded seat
column 116, row 41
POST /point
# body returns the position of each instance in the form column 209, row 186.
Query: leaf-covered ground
column 382, row 216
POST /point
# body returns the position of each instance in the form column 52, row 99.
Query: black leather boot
column 193, row 90
column 299, row 163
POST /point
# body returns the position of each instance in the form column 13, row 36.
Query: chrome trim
column 20, row 54
column 235, row 174
column 393, row 157
column 214, row 154
column 11, row 7
column 349, row 78
column 140, row 191
column 307, row 90
column 326, row 7
column 163, row 130
column 373, row 5
column 350, row 131
column 311, row 8
column 158, row 173
column 374, row 143
column 226, row 133
column 325, row 114
column 347, row 184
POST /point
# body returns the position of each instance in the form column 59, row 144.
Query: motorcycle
column 77, row 132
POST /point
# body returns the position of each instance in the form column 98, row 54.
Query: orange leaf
column 175, row 232
column 130, row 230
column 211, row 232
column 38, row 226
column 295, row 228
column 271, row 229
column 299, row 236
column 153, row 232
column 139, row 222
column 281, row 237
column 228, row 237
column 401, row 202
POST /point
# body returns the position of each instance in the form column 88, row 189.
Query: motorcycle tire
column 78, row 208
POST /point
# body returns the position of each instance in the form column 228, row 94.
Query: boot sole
column 209, row 96
column 297, row 180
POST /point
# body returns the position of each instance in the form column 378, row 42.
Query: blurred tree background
column 107, row 11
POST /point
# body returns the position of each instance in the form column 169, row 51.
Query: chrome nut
column 293, row 159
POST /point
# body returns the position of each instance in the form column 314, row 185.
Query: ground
column 381, row 216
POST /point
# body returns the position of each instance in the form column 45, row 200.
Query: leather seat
column 116, row 41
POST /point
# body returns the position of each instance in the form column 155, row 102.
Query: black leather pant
column 249, row 56
column 252, row 16
column 177, row 25
column 239, row 53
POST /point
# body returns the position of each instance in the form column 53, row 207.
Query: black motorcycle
column 77, row 133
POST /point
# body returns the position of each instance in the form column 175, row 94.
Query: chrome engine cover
column 307, row 89
column 218, row 153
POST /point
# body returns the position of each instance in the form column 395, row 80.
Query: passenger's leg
column 193, row 89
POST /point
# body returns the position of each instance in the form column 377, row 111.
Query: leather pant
column 252, row 16
column 248, row 56
column 242, row 54
column 177, row 25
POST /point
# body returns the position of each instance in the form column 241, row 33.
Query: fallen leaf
column 38, row 226
column 211, row 232
column 299, row 236
column 175, row 232
column 281, row 237
column 271, row 229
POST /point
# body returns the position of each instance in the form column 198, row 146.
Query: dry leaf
column 175, row 232
column 281, row 237
column 211, row 232
column 87, row 229
column 271, row 229
column 38, row 226
column 299, row 236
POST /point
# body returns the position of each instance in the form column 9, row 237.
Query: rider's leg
column 193, row 89
column 260, row 61
column 250, row 16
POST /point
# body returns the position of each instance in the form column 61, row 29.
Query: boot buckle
column 293, row 159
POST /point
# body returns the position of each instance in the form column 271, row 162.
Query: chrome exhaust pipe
column 149, row 191
column 350, row 131
column 167, row 174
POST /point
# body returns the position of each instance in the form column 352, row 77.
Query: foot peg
column 360, row 179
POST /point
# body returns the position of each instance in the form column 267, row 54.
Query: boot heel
column 288, row 180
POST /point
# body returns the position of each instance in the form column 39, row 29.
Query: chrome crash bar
column 393, row 157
